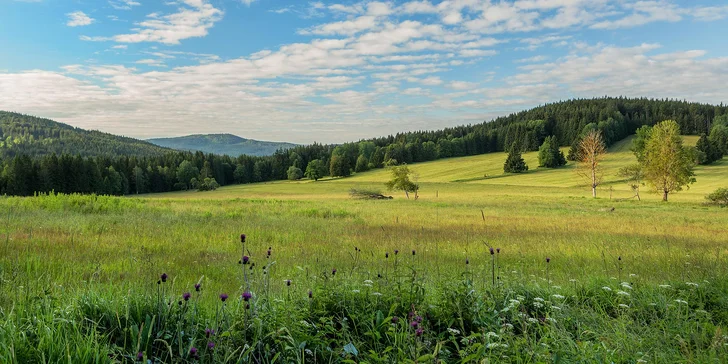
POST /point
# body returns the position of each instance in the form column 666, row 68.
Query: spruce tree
column 549, row 155
column 514, row 162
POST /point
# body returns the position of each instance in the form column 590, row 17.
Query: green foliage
column 549, row 154
column 718, row 197
column 339, row 167
column 639, row 143
column 294, row 173
column 207, row 184
column 634, row 175
column 186, row 172
column 315, row 170
column 514, row 162
column 401, row 181
column 668, row 166
column 362, row 164
column 709, row 150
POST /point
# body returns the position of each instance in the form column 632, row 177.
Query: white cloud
column 123, row 4
column 151, row 62
column 78, row 19
column 121, row 46
column 193, row 20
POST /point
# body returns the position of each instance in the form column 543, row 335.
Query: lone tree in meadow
column 668, row 165
column 549, row 155
column 591, row 153
column 401, row 181
column 515, row 163
column 315, row 169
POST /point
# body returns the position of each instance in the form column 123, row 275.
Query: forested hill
column 32, row 136
column 227, row 144
column 142, row 169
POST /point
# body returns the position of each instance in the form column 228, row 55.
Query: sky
column 337, row 71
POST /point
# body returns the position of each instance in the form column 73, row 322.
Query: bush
column 295, row 173
column 208, row 184
column 718, row 197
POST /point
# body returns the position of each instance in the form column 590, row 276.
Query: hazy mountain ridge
column 227, row 144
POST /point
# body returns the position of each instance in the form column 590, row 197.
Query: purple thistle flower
column 418, row 319
column 211, row 345
column 140, row 356
column 164, row 277
column 333, row 272
column 548, row 260
column 242, row 238
column 193, row 351
column 246, row 259
column 310, row 294
column 386, row 255
column 247, row 296
column 268, row 255
column 223, row 297
column 413, row 252
column 186, row 296
column 288, row 282
column 497, row 250
column 209, row 332
column 396, row 252
column 414, row 324
column 197, row 287
column 419, row 332
column 492, row 251
column 395, row 319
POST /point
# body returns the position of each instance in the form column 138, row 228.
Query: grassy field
column 631, row 281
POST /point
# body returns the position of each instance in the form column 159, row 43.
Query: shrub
column 718, row 197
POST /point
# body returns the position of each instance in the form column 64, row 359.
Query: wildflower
column 557, row 296
column 508, row 326
column 246, row 259
column 550, row 319
column 268, row 254
column 491, row 334
column 607, row 289
column 453, row 331
column 515, row 302
column 492, row 251
column 548, row 260
column 288, row 282
column 626, row 285
column 368, row 281
column 310, row 294
column 532, row 320
column 396, row 252
column 682, row 301
column 692, row 284
column 413, row 252
column 395, row 319
column 414, row 324
column 538, row 299
column 333, row 272
column 140, row 356
column 223, row 297
column 386, row 255
column 632, row 275
column 211, row 345
column 247, row 296
column 622, row 305
column 209, row 332
column 419, row 332
column 537, row 304
column 242, row 238
column 497, row 250
column 193, row 352
column 355, row 290
column 376, row 294
column 557, row 308
column 623, row 293
column 164, row 277
column 665, row 286
column 197, row 287
column 186, row 296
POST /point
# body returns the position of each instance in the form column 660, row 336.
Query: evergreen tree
column 549, row 154
column 515, row 163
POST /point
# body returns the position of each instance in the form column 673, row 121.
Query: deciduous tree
column 667, row 164
column 591, row 153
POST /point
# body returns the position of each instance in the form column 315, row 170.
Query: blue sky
column 342, row 70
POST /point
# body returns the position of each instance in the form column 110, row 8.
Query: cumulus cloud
column 78, row 19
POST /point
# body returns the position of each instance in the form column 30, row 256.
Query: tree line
column 29, row 170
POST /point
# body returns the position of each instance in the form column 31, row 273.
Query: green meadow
column 625, row 281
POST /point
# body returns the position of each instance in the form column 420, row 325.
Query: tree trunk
column 664, row 195
column 594, row 191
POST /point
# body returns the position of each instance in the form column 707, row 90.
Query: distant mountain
column 227, row 144
column 33, row 136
